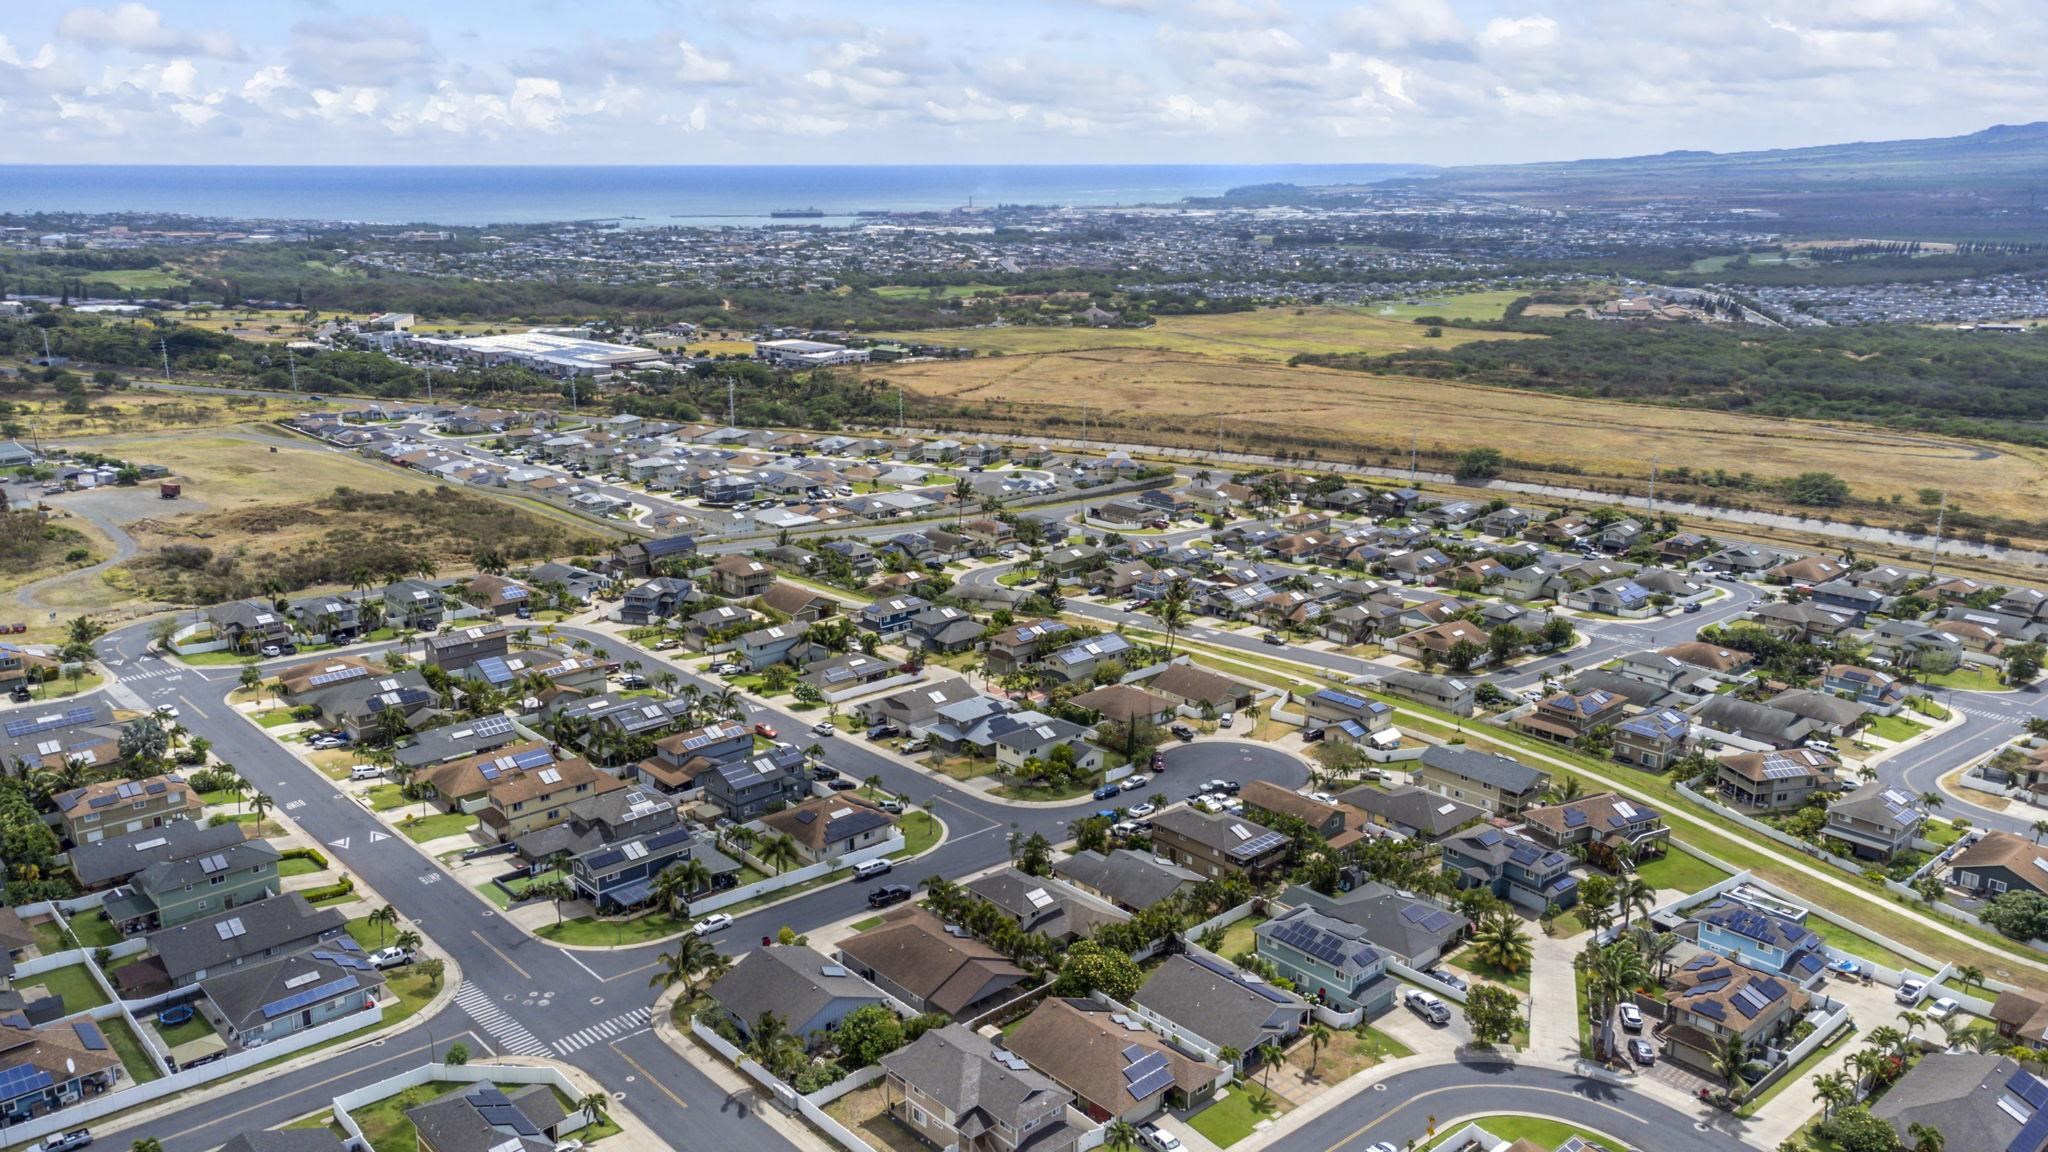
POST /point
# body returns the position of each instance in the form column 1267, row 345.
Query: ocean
column 644, row 196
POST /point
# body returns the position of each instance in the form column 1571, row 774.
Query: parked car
column 1275, row 639
column 1209, row 786
column 824, row 773
column 1124, row 828
column 1182, row 731
column 1446, row 977
column 765, row 730
column 1943, row 1008
column 913, row 747
column 716, row 922
column 1133, row 783
column 892, row 806
column 1910, row 991
column 632, row 680
column 1692, row 608
column 392, row 957
column 1159, row 1139
column 882, row 731
column 365, row 772
column 1642, row 1051
column 824, row 728
column 1209, row 804
column 1145, row 809
column 842, row 784
column 872, row 869
column 167, row 711
column 889, row 894
column 1226, row 720
column 66, row 1141
column 1108, row 791
column 1231, row 787
column 270, row 650
column 1631, row 1018
column 1426, row 1006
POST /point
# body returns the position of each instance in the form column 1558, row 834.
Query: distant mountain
column 1989, row 182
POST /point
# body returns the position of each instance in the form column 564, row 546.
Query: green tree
column 1479, row 464
column 2022, row 915
column 1854, row 1129
column 1816, row 489
column 1502, row 942
column 384, row 917
column 1090, row 967
column 1492, row 1012
column 458, row 1054
column 868, row 1033
column 1122, row 1134
column 779, row 853
column 1035, row 857
column 1318, row 1034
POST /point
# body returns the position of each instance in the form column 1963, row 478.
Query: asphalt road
column 527, row 996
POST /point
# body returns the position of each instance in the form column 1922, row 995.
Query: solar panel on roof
column 2032, row 1135
column 1131, row 1051
column 2028, row 1087
column 492, row 726
column 337, row 676
column 314, row 995
column 23, row 1079
column 89, row 1034
column 1146, row 1064
column 1152, row 1082
column 1257, row 845
column 66, row 719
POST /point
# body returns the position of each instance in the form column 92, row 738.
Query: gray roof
column 1821, row 706
column 1413, row 807
column 265, row 925
column 191, row 870
column 960, row 1070
column 1213, row 831
column 1751, row 720
column 794, row 982
column 1503, row 773
column 454, row 1123
column 1400, row 924
column 1214, row 1001
column 1131, row 879
column 241, row 993
column 118, row 857
column 285, row 1140
column 1043, row 905
column 454, row 741
column 1956, row 1094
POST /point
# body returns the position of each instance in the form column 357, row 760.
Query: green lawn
column 1856, row 945
column 1969, row 677
column 1680, row 870
column 216, row 659
column 1894, row 728
column 372, row 936
column 870, row 922
column 1548, row 1133
column 50, row 938
column 1232, row 1118
column 129, row 1048
column 920, row 831
column 438, row 825
column 297, row 866
column 194, row 1029
column 1074, row 791
column 588, row 930
column 1386, row 1046
column 1942, row 832
column 1926, row 706
column 216, row 797
column 1468, row 960
column 384, row 1124
column 93, row 930
column 1241, row 936
column 385, row 797
column 74, row 982
column 275, row 718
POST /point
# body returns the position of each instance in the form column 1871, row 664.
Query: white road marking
column 631, row 1022
column 510, row 1034
column 341, row 843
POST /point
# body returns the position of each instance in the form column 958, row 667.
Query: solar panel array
column 1258, row 845
column 498, row 1111
column 1146, row 1075
column 89, row 1034
column 23, row 1079
column 69, row 718
column 1315, row 942
column 217, row 862
column 2032, row 1095
column 492, row 726
column 353, row 963
column 493, row 670
column 1427, row 918
column 337, row 676
column 230, row 928
column 314, row 995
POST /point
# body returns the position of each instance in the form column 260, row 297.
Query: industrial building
column 807, row 353
column 547, row 352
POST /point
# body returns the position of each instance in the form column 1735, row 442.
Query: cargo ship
column 796, row 214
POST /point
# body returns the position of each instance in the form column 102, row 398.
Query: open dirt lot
column 1151, row 395
column 141, row 410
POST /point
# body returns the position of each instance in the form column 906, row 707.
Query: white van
column 872, row 869
column 366, row 772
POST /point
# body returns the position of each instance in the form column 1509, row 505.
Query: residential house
column 644, row 557
column 943, row 629
column 1653, row 740
column 1115, row 1066
column 1016, row 647
column 1337, row 825
column 1450, row 693
column 1515, row 868
column 1803, row 623
column 187, row 953
column 1569, row 716
column 955, row 1089
column 118, row 807
column 620, row 875
column 458, row 649
column 1500, row 785
column 1202, row 997
column 655, row 600
column 1855, row 599
column 1605, row 823
column 116, row 859
column 1876, row 821
column 1997, row 863
column 741, row 577
column 797, row 604
column 1200, row 688
column 1621, row 596
column 1030, row 741
column 264, row 1002
column 1762, row 938
column 180, row 891
column 775, row 644
column 830, row 827
column 326, row 619
column 249, row 624
column 413, row 604
column 806, row 990
column 1879, row 691
column 1447, row 643
column 1831, row 715
column 1711, row 998
column 2021, row 1017
column 1077, row 662
column 1132, row 881
column 1126, row 704
column 1723, row 665
column 1330, row 959
column 45, row 1067
column 1746, row 559
column 1682, row 549
column 1413, row 813
column 526, row 802
column 891, row 615
column 746, row 788
column 931, row 965
column 1752, row 725
column 1044, row 905
column 1215, row 844
column 1972, row 1099
column 1777, row 780
column 579, row 584
column 703, row 629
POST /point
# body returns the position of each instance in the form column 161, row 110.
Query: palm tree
column 1121, row 1134
column 1926, row 1138
column 691, row 956
column 593, row 1105
column 409, row 941
column 1269, row 1055
column 383, row 918
column 1632, row 893
column 1867, row 1064
column 1832, row 1091
column 1932, row 800
column 1229, row 1055
column 1567, row 789
column 260, row 803
column 1969, row 974
column 557, row 891
column 779, row 853
column 2040, row 826
column 678, row 882
column 1502, row 942
column 1731, row 1061
column 1173, row 610
column 1914, row 1021
column 770, row 1038
column 1318, row 1035
column 1887, row 1040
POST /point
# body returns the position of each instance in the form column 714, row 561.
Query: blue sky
column 1026, row 81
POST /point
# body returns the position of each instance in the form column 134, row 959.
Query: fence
column 1852, row 867
column 118, row 1101
column 1823, row 1028
column 776, row 883
column 1425, row 980
column 858, row 1078
column 347, row 1102
column 1223, row 919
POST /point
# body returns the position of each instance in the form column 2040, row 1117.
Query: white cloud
column 140, row 28
column 1519, row 32
column 699, row 67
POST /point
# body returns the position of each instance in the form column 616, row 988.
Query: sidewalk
column 1553, row 999
column 740, row 1091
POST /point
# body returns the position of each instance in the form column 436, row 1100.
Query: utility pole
column 1414, row 444
column 294, row 362
column 899, row 409
column 1934, row 553
column 1219, row 435
column 731, row 403
column 160, row 347
column 1653, row 486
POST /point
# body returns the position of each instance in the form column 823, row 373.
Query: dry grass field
column 1148, row 395
column 1271, row 334
column 140, row 410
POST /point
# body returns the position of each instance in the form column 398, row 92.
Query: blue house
column 1760, row 939
column 1512, row 867
column 888, row 617
column 1329, row 960
column 621, row 875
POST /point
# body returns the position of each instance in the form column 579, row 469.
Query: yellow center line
column 501, row 954
column 631, row 972
column 665, row 1090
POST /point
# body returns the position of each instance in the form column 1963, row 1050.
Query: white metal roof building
column 807, row 353
column 542, row 352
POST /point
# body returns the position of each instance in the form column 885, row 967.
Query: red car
column 765, row 731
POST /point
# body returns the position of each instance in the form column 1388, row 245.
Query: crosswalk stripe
column 605, row 1030
column 510, row 1034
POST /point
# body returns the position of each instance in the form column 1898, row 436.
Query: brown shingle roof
column 1076, row 1043
column 914, row 951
